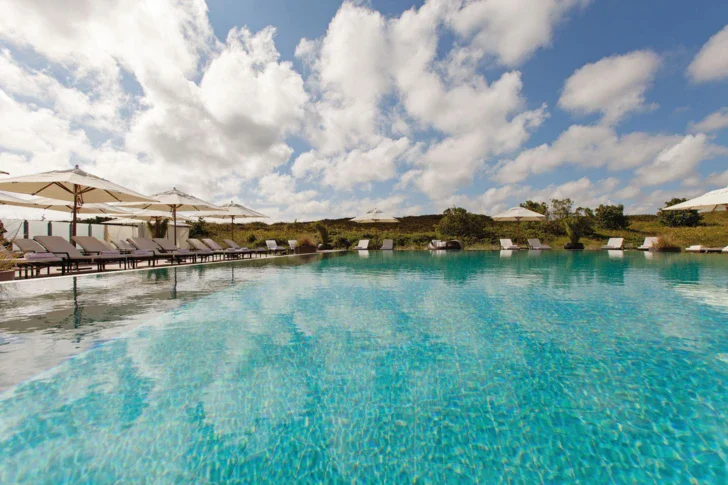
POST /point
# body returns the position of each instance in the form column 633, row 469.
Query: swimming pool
column 372, row 367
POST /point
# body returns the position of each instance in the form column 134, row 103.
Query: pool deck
column 56, row 272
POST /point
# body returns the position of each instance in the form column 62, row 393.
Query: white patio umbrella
column 8, row 199
column 233, row 210
column 175, row 200
column 151, row 215
column 519, row 214
column 711, row 201
column 374, row 216
column 45, row 203
column 74, row 186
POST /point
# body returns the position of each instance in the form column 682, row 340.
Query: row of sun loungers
column 46, row 252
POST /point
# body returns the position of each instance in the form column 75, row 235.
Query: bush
column 251, row 238
column 459, row 223
column 198, row 229
column 611, row 217
column 340, row 242
column 678, row 218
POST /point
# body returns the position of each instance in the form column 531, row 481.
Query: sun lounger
column 273, row 247
column 142, row 243
column 168, row 247
column 92, row 246
column 123, row 246
column 724, row 250
column 60, row 247
column 363, row 244
column 536, row 245
column 34, row 262
column 232, row 244
column 650, row 243
column 203, row 250
column 614, row 243
column 388, row 245
column 229, row 252
column 507, row 244
column 293, row 244
column 698, row 248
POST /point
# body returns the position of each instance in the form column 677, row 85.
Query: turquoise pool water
column 372, row 368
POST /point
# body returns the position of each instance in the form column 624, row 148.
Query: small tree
column 678, row 218
column 578, row 224
column 198, row 228
column 158, row 227
column 611, row 217
column 324, row 233
column 458, row 222
column 561, row 208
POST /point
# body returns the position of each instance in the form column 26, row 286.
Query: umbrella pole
column 75, row 209
column 232, row 228
column 518, row 230
column 174, row 217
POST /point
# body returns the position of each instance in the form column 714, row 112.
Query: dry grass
column 6, row 261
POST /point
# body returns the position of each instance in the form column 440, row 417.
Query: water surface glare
column 473, row 367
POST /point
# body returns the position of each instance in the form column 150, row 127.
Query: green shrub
column 324, row 233
column 611, row 217
column 678, row 218
column 198, row 229
column 340, row 242
column 251, row 238
column 459, row 223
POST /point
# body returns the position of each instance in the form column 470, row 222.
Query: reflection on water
column 43, row 322
column 462, row 367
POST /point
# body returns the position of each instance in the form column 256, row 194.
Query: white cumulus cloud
column 711, row 63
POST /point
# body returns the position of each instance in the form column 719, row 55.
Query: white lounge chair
column 650, row 243
column 388, row 245
column 535, row 244
column 363, row 244
column 614, row 243
column 273, row 246
column 696, row 248
column 725, row 250
column 507, row 244
column 293, row 244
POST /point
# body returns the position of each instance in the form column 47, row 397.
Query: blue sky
column 325, row 109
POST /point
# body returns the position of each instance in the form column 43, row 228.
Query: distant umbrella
column 74, row 186
column 374, row 216
column 233, row 210
column 519, row 214
column 175, row 200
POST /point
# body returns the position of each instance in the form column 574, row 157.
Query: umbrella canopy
column 74, row 186
column 716, row 199
column 150, row 215
column 233, row 210
column 374, row 216
column 4, row 173
column 175, row 200
column 519, row 214
column 45, row 203
column 8, row 199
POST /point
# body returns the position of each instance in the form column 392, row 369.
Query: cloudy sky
column 319, row 109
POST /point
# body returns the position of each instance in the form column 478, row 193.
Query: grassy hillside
column 416, row 231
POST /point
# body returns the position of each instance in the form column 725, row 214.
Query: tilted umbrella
column 716, row 199
column 175, row 200
column 233, row 210
column 74, row 186
column 374, row 216
column 519, row 214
